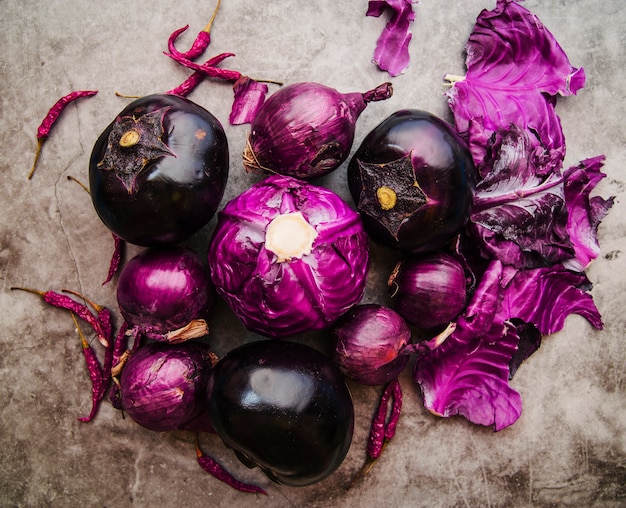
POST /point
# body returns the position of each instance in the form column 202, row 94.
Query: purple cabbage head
column 288, row 256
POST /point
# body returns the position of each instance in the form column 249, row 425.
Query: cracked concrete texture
column 567, row 449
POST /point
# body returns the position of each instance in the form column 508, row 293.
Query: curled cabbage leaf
column 392, row 48
column 515, row 70
column 469, row 373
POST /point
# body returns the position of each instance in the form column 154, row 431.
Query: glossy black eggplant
column 158, row 172
column 284, row 407
column 412, row 180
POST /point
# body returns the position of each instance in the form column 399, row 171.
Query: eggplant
column 412, row 179
column 284, row 407
column 158, row 172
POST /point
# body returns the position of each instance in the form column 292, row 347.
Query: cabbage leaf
column 392, row 47
column 515, row 70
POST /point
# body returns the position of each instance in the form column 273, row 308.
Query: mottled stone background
column 567, row 449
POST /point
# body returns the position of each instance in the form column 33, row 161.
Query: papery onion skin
column 163, row 386
column 306, row 130
column 428, row 166
column 163, row 289
column 429, row 290
column 284, row 407
column 179, row 189
column 280, row 299
column 369, row 339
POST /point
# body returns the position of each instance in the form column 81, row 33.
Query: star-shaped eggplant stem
column 133, row 143
column 390, row 192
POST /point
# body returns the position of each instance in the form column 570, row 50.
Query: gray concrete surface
column 567, row 449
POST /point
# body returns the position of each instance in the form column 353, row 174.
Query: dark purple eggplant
column 284, row 407
column 158, row 172
column 412, row 180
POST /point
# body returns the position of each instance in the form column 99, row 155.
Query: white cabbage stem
column 289, row 236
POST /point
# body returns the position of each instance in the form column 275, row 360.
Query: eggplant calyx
column 390, row 192
column 133, row 143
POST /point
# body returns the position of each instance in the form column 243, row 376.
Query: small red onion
column 306, row 130
column 429, row 291
column 166, row 293
column 369, row 340
column 163, row 386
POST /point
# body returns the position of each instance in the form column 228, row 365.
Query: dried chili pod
column 116, row 258
column 51, row 117
column 212, row 467
column 96, row 374
column 383, row 425
column 187, row 86
column 202, row 41
column 209, row 70
column 82, row 311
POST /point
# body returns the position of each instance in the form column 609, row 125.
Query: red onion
column 163, row 386
column 369, row 341
column 165, row 293
column 306, row 130
column 429, row 291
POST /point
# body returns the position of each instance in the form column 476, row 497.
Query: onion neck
column 289, row 236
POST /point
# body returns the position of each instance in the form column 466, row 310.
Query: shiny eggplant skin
column 173, row 195
column 284, row 407
column 437, row 162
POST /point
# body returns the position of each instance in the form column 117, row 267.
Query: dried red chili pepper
column 103, row 315
column 82, row 311
column 118, row 248
column 116, row 258
column 202, row 41
column 206, row 68
column 96, row 374
column 51, row 117
column 211, row 466
column 383, row 427
column 187, row 86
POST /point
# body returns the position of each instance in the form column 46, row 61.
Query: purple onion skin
column 163, row 289
column 369, row 339
column 304, row 130
column 279, row 299
column 424, row 149
column 430, row 290
column 164, row 386
column 178, row 191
